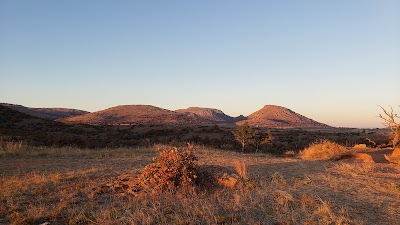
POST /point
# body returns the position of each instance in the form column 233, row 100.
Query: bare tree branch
column 389, row 118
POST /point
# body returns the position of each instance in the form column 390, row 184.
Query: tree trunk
column 243, row 146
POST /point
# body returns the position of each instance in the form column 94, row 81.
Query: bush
column 171, row 168
column 9, row 145
column 323, row 150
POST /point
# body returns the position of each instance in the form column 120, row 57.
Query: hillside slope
column 46, row 113
column 135, row 114
column 280, row 117
column 210, row 115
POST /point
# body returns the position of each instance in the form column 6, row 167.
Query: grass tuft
column 323, row 150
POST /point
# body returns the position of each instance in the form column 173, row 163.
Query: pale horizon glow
column 333, row 62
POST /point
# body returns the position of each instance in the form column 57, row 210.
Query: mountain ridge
column 46, row 113
column 134, row 114
column 270, row 116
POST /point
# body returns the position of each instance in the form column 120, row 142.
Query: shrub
column 9, row 145
column 323, row 150
column 289, row 153
column 171, row 168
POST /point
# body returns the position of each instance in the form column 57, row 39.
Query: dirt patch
column 357, row 157
column 377, row 154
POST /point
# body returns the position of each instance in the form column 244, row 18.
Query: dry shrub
column 172, row 168
column 283, row 201
column 10, row 146
column 323, row 150
column 394, row 157
column 307, row 202
column 241, row 169
column 277, row 179
column 289, row 153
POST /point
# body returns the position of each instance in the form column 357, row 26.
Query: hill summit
column 281, row 117
column 134, row 114
column 210, row 115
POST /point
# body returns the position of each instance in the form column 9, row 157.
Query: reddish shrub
column 172, row 168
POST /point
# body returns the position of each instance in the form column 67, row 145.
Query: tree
column 389, row 118
column 243, row 134
column 261, row 138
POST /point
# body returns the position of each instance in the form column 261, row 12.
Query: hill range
column 270, row 116
column 46, row 113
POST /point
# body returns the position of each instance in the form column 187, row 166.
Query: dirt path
column 377, row 154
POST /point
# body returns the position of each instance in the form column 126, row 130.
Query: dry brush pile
column 175, row 169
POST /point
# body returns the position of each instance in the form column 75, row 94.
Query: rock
column 360, row 146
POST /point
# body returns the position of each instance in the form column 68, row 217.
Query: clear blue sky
column 332, row 61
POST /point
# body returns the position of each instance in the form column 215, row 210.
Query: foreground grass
column 63, row 186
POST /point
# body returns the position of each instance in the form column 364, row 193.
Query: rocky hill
column 270, row 116
column 210, row 115
column 280, row 117
column 46, row 113
column 135, row 114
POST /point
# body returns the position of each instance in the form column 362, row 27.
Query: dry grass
column 241, row 169
column 60, row 152
column 354, row 169
column 394, row 157
column 323, row 150
column 79, row 188
column 10, row 146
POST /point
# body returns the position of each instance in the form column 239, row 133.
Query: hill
column 210, row 115
column 16, row 124
column 135, row 114
column 36, row 131
column 280, row 117
column 46, row 113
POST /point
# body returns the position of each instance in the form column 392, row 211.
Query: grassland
column 78, row 186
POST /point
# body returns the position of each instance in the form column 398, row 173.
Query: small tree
column 389, row 118
column 261, row 138
column 243, row 134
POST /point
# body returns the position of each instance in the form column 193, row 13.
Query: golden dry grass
column 354, row 169
column 394, row 157
column 323, row 150
column 74, row 186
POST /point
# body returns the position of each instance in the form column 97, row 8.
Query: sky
column 332, row 61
